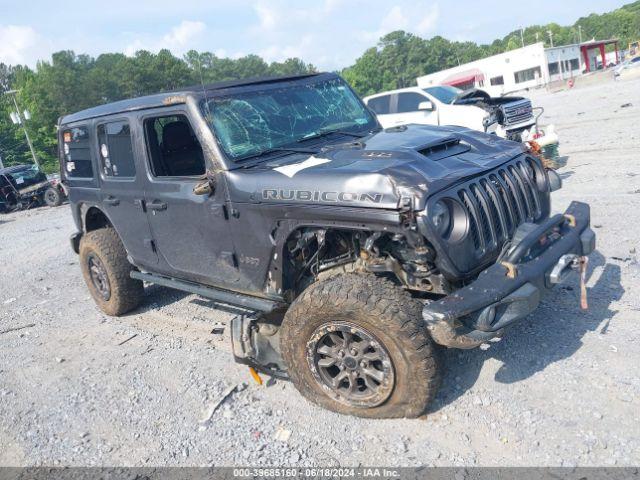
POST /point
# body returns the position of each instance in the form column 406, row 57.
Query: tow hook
column 565, row 265
column 584, row 260
column 563, row 268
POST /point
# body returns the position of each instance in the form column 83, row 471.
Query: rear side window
column 379, row 105
column 116, row 149
column 408, row 102
column 174, row 149
column 77, row 153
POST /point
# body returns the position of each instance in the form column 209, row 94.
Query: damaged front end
column 539, row 257
column 508, row 117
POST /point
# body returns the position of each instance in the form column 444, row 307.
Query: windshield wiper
column 322, row 133
column 278, row 149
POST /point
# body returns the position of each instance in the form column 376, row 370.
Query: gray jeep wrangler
column 351, row 253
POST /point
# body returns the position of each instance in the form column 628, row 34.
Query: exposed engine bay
column 404, row 258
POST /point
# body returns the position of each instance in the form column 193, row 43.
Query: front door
column 190, row 231
column 405, row 109
column 122, row 192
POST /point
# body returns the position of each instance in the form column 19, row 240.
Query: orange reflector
column 255, row 375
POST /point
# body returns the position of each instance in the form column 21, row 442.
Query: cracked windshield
column 255, row 123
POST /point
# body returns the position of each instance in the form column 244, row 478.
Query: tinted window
column 380, row 105
column 497, row 80
column 116, row 150
column 553, row 68
column 174, row 150
column 408, row 102
column 77, row 153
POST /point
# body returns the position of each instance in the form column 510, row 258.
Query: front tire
column 106, row 270
column 356, row 344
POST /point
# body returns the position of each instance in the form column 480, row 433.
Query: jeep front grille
column 499, row 202
column 517, row 112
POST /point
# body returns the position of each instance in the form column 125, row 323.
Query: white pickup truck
column 508, row 117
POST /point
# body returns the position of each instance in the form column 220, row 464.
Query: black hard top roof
column 14, row 169
column 168, row 98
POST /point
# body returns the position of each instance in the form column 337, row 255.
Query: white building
column 528, row 67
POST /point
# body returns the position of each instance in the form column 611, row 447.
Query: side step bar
column 222, row 296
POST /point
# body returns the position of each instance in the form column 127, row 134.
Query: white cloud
column 277, row 53
column 184, row 33
column 276, row 14
column 418, row 18
column 266, row 15
column 178, row 40
column 429, row 21
column 18, row 44
column 395, row 19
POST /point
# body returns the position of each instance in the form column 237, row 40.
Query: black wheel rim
column 350, row 364
column 99, row 277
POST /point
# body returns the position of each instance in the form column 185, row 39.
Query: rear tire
column 394, row 373
column 52, row 197
column 106, row 270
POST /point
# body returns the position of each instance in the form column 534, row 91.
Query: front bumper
column 540, row 256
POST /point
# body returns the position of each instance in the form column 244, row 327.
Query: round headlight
column 440, row 217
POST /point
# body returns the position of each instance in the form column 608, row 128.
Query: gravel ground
column 562, row 388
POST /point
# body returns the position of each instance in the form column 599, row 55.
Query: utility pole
column 550, row 37
column 522, row 36
column 20, row 119
column 580, row 33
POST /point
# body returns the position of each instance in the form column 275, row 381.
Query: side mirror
column 426, row 106
column 206, row 187
column 203, row 188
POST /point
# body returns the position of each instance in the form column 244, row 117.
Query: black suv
column 350, row 252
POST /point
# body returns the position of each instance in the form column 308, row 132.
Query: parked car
column 507, row 117
column 25, row 186
column 352, row 253
column 630, row 64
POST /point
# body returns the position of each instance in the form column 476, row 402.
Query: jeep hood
column 378, row 171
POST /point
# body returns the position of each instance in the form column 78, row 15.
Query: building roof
column 466, row 76
column 177, row 96
column 597, row 43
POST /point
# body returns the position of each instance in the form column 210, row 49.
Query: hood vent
column 443, row 148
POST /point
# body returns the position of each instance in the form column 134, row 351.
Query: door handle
column 157, row 205
column 111, row 200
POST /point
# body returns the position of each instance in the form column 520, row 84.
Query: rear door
column 122, row 192
column 191, row 231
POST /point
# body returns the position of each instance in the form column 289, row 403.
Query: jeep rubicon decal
column 452, row 241
column 318, row 196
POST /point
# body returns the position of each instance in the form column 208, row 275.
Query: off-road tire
column 379, row 307
column 125, row 292
column 52, row 197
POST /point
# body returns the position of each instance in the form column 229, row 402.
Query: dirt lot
column 78, row 388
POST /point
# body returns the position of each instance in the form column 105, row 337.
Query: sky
column 330, row 34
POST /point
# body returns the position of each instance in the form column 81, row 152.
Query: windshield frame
column 233, row 163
